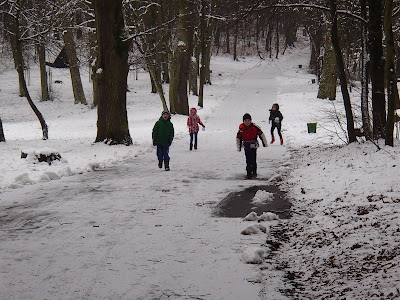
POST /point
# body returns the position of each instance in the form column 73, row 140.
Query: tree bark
column 342, row 73
column 157, row 83
column 179, row 67
column 43, row 74
column 328, row 81
column 365, row 115
column 390, row 73
column 70, row 48
column 2, row 137
column 111, row 73
column 228, row 39
column 235, row 40
column 377, row 67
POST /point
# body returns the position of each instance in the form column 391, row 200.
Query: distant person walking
column 163, row 134
column 275, row 119
column 247, row 137
column 193, row 122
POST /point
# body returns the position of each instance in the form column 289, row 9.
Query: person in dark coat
column 163, row 134
column 275, row 119
column 247, row 137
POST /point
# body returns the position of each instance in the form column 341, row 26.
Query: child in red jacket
column 193, row 124
column 247, row 136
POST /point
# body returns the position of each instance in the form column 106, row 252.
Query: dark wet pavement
column 239, row 204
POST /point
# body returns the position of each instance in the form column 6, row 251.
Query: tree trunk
column 157, row 82
column 43, row 74
column 377, row 68
column 2, row 137
column 342, row 73
column 15, row 57
column 390, row 73
column 207, row 59
column 228, row 39
column 235, row 40
column 277, row 37
column 328, row 81
column 193, row 74
column 111, row 73
column 92, row 59
column 70, row 48
column 365, row 115
column 203, row 52
column 179, row 67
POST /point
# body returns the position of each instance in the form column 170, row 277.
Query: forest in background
column 354, row 44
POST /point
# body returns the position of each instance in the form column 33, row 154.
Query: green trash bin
column 312, row 127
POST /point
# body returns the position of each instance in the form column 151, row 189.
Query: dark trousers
column 278, row 126
column 162, row 153
column 193, row 134
column 251, row 161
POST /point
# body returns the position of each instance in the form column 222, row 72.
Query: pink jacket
column 193, row 123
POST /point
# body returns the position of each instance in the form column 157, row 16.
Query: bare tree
column 342, row 72
column 13, row 23
column 111, row 73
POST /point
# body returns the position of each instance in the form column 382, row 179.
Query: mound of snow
column 262, row 196
column 251, row 217
column 254, row 229
column 253, row 255
column 268, row 216
column 23, row 179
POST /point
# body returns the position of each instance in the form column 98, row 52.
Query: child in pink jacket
column 193, row 124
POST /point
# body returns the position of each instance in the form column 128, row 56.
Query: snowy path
column 135, row 232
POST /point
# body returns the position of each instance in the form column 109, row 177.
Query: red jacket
column 248, row 135
column 193, row 123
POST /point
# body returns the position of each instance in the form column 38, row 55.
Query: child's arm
column 172, row 134
column 154, row 133
column 239, row 141
column 201, row 123
column 262, row 137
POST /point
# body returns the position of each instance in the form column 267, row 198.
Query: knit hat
column 166, row 112
column 193, row 110
column 246, row 117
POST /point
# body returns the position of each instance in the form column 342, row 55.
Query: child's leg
column 191, row 138
column 166, row 154
column 278, row 127
column 248, row 154
column 160, row 154
column 272, row 129
column 254, row 162
column 195, row 137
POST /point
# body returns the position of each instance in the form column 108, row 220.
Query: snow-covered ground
column 106, row 223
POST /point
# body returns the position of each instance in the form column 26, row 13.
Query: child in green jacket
column 163, row 134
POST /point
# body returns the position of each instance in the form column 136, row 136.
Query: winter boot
column 248, row 176
column 195, row 146
column 272, row 140
column 166, row 163
column 281, row 141
column 255, row 171
column 160, row 164
column 191, row 147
